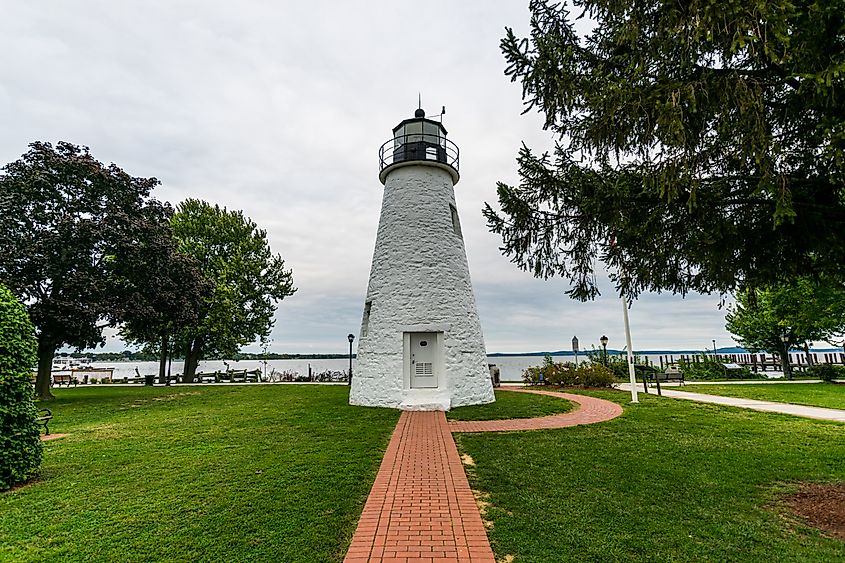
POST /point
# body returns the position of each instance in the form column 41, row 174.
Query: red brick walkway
column 589, row 411
column 421, row 508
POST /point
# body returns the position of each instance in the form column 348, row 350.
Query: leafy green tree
column 701, row 146
column 164, row 298
column 248, row 280
column 20, row 443
column 779, row 318
column 66, row 221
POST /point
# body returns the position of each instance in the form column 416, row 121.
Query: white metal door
column 423, row 360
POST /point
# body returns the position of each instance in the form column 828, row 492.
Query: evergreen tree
column 701, row 145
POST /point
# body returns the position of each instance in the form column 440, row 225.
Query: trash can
column 148, row 380
column 494, row 374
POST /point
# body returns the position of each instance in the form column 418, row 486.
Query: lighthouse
column 420, row 345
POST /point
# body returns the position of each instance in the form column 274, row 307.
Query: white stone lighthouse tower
column 420, row 346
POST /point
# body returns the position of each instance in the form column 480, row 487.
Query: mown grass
column 512, row 405
column 830, row 395
column 669, row 480
column 242, row 473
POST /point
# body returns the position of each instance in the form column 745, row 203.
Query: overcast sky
column 278, row 109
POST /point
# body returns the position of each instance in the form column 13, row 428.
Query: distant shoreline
column 722, row 351
column 140, row 357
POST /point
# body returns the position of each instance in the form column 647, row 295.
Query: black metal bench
column 668, row 375
column 654, row 375
column 44, row 417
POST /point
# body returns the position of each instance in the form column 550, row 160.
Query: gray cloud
column 278, row 108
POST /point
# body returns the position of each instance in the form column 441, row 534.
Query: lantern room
column 419, row 141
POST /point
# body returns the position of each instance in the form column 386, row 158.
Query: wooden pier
column 757, row 362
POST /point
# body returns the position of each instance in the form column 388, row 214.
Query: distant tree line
column 85, row 246
column 145, row 356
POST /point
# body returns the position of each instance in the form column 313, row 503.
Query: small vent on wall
column 456, row 223
column 424, row 368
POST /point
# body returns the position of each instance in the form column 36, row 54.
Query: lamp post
column 575, row 349
column 603, row 341
column 787, row 371
column 351, row 338
column 714, row 348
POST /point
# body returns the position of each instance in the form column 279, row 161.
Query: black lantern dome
column 419, row 141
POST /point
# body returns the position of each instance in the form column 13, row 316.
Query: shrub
column 540, row 375
column 826, row 372
column 595, row 375
column 619, row 364
column 705, row 368
column 566, row 374
column 20, row 443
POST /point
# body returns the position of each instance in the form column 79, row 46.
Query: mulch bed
column 822, row 506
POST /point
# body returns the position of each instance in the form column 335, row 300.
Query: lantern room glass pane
column 432, row 133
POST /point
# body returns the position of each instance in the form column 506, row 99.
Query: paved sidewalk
column 765, row 406
column 421, row 507
column 589, row 411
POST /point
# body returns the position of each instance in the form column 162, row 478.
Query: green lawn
column 242, row 473
column 512, row 405
column 831, row 395
column 669, row 480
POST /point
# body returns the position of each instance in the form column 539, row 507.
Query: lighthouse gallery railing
column 405, row 148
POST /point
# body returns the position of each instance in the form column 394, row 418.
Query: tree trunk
column 162, row 360
column 192, row 359
column 169, row 363
column 784, row 360
column 807, row 354
column 46, row 351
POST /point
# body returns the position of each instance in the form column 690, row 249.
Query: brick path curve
column 589, row 411
column 421, row 507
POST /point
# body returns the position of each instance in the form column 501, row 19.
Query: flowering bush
column 567, row 374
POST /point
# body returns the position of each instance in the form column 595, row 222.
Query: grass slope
column 242, row 473
column 830, row 395
column 512, row 405
column 669, row 480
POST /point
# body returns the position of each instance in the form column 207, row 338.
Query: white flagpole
column 631, row 374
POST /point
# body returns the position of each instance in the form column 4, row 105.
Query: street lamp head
column 784, row 338
column 351, row 337
column 603, row 340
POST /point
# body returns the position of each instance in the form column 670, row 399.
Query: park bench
column 64, row 378
column 253, row 376
column 654, row 375
column 237, row 375
column 671, row 373
column 44, row 417
column 208, row 377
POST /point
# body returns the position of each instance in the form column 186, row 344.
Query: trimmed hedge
column 20, row 443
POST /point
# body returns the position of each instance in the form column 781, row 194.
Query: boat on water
column 65, row 363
